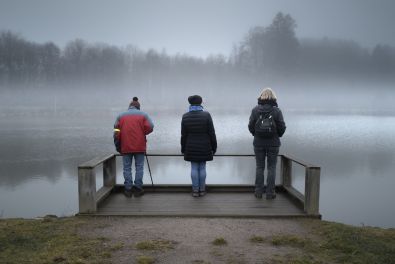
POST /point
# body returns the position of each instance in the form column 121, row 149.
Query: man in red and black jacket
column 130, row 130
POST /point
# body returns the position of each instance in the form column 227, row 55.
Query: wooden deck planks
column 213, row 204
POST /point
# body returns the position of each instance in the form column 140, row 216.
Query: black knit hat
column 195, row 99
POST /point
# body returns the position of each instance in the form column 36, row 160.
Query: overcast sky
column 196, row 27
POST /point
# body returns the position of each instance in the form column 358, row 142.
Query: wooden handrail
column 182, row 155
column 310, row 199
column 89, row 197
column 95, row 162
column 300, row 162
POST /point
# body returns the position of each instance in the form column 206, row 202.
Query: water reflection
column 39, row 197
column 174, row 170
column 39, row 159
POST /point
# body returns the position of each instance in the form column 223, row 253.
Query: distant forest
column 266, row 52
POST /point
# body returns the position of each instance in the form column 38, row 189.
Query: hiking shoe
column 258, row 195
column 138, row 192
column 202, row 193
column 195, row 194
column 270, row 196
column 128, row 193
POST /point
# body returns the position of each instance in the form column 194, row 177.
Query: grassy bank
column 329, row 242
column 75, row 240
column 50, row 240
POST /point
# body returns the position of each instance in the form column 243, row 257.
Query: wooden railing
column 310, row 200
column 89, row 198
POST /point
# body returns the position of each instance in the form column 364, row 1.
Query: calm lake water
column 39, row 156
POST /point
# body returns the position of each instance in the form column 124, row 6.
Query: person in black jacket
column 198, row 142
column 266, row 146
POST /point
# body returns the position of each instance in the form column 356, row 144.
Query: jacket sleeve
column 117, row 136
column 148, row 125
column 251, row 123
column 183, row 136
column 280, row 124
column 211, row 132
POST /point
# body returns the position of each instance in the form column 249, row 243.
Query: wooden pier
column 176, row 200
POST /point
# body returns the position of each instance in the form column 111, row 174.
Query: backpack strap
column 265, row 114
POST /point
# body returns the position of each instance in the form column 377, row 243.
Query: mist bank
column 266, row 55
column 310, row 75
column 320, row 97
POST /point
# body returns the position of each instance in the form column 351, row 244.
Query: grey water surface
column 39, row 156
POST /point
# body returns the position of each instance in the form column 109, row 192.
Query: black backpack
column 265, row 126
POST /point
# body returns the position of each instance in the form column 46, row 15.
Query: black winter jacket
column 198, row 140
column 266, row 106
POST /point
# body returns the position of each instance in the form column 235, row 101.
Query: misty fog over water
column 58, row 105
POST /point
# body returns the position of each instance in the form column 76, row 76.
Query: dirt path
column 190, row 240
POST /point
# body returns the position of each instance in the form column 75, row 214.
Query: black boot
column 138, row 192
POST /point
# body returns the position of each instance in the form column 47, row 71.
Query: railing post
column 312, row 190
column 109, row 172
column 87, row 190
column 286, row 171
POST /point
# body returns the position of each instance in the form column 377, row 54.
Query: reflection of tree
column 342, row 163
column 16, row 173
column 54, row 162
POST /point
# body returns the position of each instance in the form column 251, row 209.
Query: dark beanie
column 135, row 103
column 195, row 100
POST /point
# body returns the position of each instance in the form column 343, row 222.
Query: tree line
column 275, row 50
column 267, row 52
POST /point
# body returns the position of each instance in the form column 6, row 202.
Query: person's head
column 135, row 103
column 267, row 94
column 195, row 99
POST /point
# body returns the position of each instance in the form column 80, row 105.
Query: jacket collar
column 268, row 102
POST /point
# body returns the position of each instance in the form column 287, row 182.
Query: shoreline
column 86, row 239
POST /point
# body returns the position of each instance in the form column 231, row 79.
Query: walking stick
column 149, row 169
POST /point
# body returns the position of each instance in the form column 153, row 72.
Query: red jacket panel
column 130, row 130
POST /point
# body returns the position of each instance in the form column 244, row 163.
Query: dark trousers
column 261, row 153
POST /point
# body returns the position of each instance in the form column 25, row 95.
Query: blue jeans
column 261, row 153
column 198, row 176
column 127, row 170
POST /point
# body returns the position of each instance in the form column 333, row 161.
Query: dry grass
column 220, row 241
column 155, row 245
column 257, row 239
column 145, row 260
column 50, row 241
